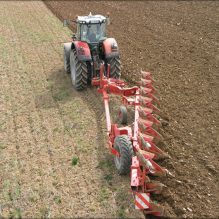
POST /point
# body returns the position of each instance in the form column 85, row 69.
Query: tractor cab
column 91, row 28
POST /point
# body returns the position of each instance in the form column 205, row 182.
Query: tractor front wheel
column 67, row 49
column 79, row 71
column 123, row 145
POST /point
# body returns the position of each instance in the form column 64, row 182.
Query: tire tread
column 115, row 67
column 126, row 153
column 81, row 70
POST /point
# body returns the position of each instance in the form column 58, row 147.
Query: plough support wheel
column 123, row 115
column 123, row 145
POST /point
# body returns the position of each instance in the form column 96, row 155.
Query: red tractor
column 89, row 49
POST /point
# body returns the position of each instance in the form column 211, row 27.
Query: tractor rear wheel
column 79, row 71
column 123, row 145
column 115, row 67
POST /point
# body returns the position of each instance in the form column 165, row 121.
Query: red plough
column 140, row 139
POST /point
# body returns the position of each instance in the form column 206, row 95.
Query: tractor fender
column 82, row 49
column 111, row 48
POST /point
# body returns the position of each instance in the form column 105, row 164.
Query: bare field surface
column 178, row 42
column 53, row 162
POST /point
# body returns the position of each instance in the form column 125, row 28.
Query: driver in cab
column 92, row 34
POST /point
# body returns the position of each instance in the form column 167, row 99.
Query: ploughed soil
column 178, row 42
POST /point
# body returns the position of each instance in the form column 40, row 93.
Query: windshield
column 93, row 32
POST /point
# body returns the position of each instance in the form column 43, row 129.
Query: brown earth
column 53, row 162
column 178, row 43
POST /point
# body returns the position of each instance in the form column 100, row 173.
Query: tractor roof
column 91, row 19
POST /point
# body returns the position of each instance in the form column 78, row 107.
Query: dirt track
column 45, row 124
column 178, row 42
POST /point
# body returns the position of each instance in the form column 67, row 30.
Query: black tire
column 67, row 49
column 123, row 145
column 79, row 71
column 115, row 67
column 123, row 115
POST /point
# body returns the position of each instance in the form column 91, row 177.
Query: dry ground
column 178, row 42
column 53, row 162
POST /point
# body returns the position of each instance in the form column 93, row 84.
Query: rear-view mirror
column 108, row 20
